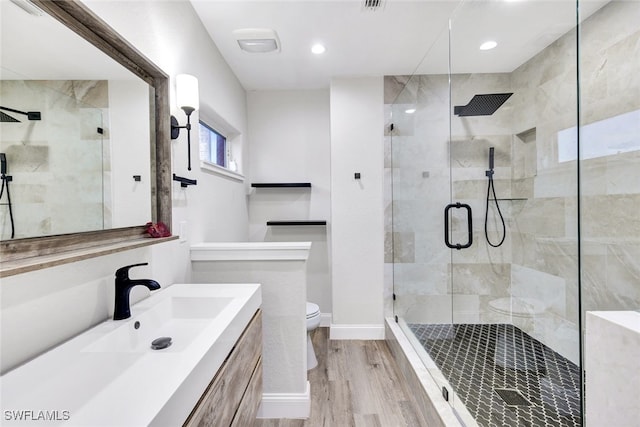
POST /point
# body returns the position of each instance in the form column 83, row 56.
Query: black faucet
column 123, row 287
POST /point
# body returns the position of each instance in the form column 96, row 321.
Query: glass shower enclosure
column 508, row 170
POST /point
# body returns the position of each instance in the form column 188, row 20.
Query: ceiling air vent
column 257, row 40
column 372, row 5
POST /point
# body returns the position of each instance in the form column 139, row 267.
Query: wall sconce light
column 188, row 99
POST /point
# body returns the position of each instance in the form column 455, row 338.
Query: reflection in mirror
column 85, row 164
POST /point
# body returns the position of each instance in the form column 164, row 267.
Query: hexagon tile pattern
column 479, row 359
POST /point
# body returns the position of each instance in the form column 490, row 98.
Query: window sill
column 220, row 171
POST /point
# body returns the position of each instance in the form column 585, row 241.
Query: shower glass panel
column 515, row 290
column 495, row 316
column 610, row 157
column 417, row 161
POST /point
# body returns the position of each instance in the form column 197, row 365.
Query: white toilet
column 525, row 308
column 313, row 321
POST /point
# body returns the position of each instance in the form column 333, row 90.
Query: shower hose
column 5, row 181
column 492, row 189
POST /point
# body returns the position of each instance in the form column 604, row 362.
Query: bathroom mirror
column 93, row 138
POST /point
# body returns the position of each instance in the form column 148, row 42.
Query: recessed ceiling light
column 490, row 44
column 410, row 110
column 318, row 48
column 257, row 40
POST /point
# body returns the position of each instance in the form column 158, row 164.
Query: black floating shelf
column 297, row 222
column 281, row 185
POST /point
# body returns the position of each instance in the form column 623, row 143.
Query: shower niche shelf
column 281, row 184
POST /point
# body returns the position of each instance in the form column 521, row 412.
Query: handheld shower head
column 491, row 158
column 491, row 189
column 489, row 172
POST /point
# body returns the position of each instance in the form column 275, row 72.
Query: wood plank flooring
column 356, row 384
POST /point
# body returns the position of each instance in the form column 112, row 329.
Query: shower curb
column 436, row 411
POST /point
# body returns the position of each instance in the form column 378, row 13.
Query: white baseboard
column 356, row 332
column 286, row 405
column 325, row 320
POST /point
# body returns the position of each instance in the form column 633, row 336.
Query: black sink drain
column 160, row 343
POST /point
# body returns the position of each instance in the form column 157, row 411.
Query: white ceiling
column 390, row 41
column 41, row 48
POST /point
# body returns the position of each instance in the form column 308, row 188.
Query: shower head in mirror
column 5, row 118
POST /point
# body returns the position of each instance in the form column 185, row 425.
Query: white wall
column 172, row 36
column 284, row 348
column 357, row 118
column 44, row 308
column 290, row 142
column 130, row 152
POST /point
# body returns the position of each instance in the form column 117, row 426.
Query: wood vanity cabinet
column 233, row 396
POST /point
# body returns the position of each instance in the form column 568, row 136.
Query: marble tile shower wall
column 545, row 227
column 57, row 159
column 537, row 267
column 610, row 222
column 416, row 163
column 418, row 157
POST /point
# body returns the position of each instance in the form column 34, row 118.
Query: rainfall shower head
column 31, row 115
column 482, row 105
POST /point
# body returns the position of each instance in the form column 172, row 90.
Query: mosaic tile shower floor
column 477, row 360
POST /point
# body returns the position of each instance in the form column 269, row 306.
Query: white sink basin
column 180, row 318
column 110, row 376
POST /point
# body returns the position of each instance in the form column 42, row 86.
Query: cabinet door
column 248, row 409
column 219, row 403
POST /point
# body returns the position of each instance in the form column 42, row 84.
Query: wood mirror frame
column 23, row 255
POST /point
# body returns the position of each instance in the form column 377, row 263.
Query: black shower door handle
column 458, row 246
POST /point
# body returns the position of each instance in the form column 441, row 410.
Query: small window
column 213, row 145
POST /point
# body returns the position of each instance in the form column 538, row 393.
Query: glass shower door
column 417, row 162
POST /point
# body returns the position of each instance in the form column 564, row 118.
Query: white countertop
column 80, row 384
